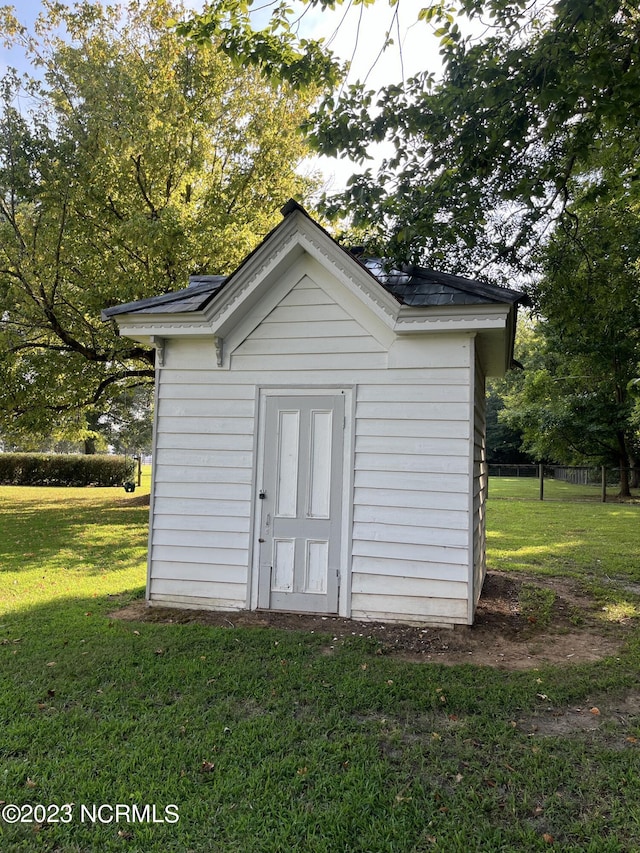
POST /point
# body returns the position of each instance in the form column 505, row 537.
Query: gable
column 307, row 323
column 305, row 303
column 386, row 304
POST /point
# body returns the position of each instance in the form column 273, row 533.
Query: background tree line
column 519, row 163
column 129, row 158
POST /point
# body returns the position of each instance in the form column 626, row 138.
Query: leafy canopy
column 482, row 158
column 577, row 400
column 521, row 158
column 129, row 158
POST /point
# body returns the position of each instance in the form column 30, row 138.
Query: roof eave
column 485, row 316
column 142, row 327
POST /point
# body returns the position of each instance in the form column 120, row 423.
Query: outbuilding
column 319, row 440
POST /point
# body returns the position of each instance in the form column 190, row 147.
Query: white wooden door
column 301, row 503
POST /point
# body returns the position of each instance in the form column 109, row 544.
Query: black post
column 541, row 475
column 604, row 484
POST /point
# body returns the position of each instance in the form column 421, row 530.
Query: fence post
column 603, row 473
column 541, row 475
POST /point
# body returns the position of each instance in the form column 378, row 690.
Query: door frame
column 346, row 521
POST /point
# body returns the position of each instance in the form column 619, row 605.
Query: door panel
column 302, row 504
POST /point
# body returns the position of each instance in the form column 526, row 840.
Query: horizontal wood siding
column 480, row 486
column 203, row 483
column 410, row 527
column 411, row 511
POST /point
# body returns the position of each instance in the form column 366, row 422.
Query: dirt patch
column 504, row 634
column 617, row 714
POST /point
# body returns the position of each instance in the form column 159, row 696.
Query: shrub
column 61, row 469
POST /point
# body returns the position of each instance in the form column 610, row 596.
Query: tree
column 483, row 157
column 128, row 425
column 128, row 159
column 578, row 401
column 504, row 443
column 531, row 137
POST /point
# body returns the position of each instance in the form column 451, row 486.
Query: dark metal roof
column 414, row 286
column 193, row 298
column 423, row 287
column 418, row 287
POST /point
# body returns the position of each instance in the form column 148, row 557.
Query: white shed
column 319, row 443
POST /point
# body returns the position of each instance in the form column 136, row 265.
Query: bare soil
column 502, row 636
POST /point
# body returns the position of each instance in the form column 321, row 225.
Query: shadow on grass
column 95, row 533
column 266, row 744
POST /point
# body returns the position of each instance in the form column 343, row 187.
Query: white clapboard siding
column 206, row 408
column 189, row 521
column 413, row 428
column 312, row 337
column 414, row 445
column 419, row 587
column 189, row 602
column 199, row 507
column 337, row 330
column 204, row 556
column 200, row 573
column 416, row 411
column 436, row 351
column 198, row 384
column 409, row 569
column 212, row 540
column 173, row 441
column 307, row 346
column 480, row 486
column 293, row 314
column 224, row 592
column 196, row 458
column 205, row 426
column 306, row 293
column 410, row 609
column 447, row 376
column 410, row 534
column 178, row 356
column 429, row 482
column 227, row 493
column 412, row 499
column 403, row 551
column 424, row 393
column 319, row 367
column 203, row 486
column 419, row 464
column 183, row 475
column 410, row 519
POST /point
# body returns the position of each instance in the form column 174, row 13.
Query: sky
column 353, row 33
column 415, row 49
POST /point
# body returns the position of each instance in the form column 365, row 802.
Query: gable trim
column 296, row 235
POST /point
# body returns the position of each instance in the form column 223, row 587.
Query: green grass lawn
column 270, row 740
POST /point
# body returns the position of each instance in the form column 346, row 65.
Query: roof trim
column 385, row 293
column 206, row 289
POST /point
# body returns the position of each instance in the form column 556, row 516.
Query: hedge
column 62, row 469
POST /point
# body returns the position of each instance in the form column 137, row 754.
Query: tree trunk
column 623, row 461
column 89, row 446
